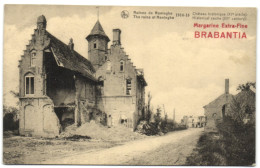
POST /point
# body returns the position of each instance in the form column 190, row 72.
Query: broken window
column 121, row 65
column 29, row 85
column 33, row 57
column 128, row 87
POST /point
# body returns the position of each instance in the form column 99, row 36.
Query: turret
column 97, row 45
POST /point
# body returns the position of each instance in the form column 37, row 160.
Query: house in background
column 57, row 84
column 193, row 121
column 239, row 107
column 217, row 109
column 202, row 121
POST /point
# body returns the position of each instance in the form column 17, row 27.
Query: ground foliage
column 10, row 119
column 232, row 145
column 160, row 125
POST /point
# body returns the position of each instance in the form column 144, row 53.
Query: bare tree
column 246, row 87
column 149, row 110
column 236, row 111
column 243, row 105
column 16, row 95
column 165, row 114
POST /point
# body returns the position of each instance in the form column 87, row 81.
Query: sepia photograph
column 129, row 85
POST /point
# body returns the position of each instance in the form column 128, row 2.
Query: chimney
column 226, row 86
column 116, row 37
column 71, row 44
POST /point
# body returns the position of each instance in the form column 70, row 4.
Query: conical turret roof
column 98, row 31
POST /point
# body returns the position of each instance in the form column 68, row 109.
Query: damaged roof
column 70, row 59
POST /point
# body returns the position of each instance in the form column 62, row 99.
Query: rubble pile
column 97, row 131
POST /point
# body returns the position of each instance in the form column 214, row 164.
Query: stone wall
column 216, row 111
column 97, row 55
column 114, row 99
column 37, row 117
column 85, row 100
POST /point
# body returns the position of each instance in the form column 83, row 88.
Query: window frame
column 122, row 66
column 31, row 88
column 128, row 89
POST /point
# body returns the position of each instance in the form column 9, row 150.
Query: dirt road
column 171, row 149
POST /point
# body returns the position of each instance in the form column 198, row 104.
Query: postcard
column 121, row 85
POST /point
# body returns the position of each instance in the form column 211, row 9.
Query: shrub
column 10, row 120
column 239, row 139
column 232, row 145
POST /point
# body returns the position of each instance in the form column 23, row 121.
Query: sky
column 183, row 73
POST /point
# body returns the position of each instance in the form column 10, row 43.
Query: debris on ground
column 32, row 150
column 77, row 137
column 97, row 131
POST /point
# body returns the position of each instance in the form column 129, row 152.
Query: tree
column 148, row 109
column 16, row 95
column 246, row 87
column 243, row 104
column 157, row 116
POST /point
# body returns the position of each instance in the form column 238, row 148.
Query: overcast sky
column 182, row 72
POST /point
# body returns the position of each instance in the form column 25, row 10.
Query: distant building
column 217, row 109
column 57, row 84
column 202, row 121
column 238, row 107
column 193, row 121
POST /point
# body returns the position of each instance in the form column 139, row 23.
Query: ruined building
column 58, row 85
